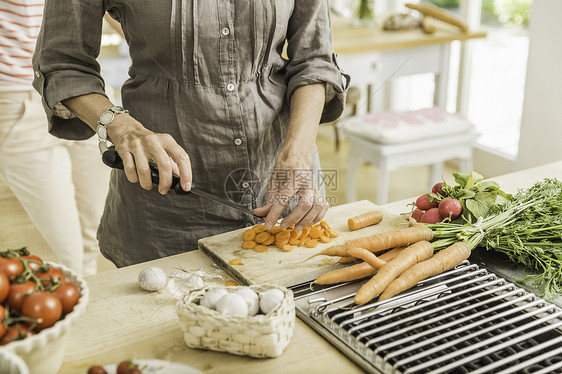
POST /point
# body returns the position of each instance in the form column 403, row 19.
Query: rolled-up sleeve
column 311, row 55
column 65, row 63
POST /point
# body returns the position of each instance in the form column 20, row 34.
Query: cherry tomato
column 96, row 369
column 68, row 294
column 43, row 305
column 34, row 262
column 17, row 331
column 18, row 293
column 50, row 276
column 12, row 267
column 4, row 286
column 2, row 327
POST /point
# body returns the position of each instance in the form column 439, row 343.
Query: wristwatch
column 105, row 119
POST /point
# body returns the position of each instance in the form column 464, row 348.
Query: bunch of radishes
column 434, row 207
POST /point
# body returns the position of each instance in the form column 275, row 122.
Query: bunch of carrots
column 396, row 260
column 259, row 238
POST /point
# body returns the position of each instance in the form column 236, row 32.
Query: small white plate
column 157, row 367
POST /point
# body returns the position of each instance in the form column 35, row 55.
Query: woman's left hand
column 292, row 175
column 290, row 180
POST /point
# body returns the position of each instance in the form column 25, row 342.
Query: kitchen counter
column 122, row 321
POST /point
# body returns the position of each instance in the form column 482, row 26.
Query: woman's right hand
column 138, row 147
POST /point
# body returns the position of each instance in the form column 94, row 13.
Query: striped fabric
column 20, row 21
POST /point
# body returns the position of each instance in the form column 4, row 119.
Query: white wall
column 541, row 122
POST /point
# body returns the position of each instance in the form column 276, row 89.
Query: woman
column 209, row 96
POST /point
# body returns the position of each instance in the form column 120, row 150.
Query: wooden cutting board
column 290, row 268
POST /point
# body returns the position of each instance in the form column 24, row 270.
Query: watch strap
column 105, row 119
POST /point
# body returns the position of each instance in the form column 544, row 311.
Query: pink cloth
column 399, row 127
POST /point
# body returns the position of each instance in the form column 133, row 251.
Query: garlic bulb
column 251, row 298
column 270, row 300
column 211, row 297
column 152, row 279
column 233, row 305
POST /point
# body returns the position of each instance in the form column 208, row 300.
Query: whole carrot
column 391, row 239
column 367, row 256
column 410, row 256
column 381, row 241
column 356, row 271
column 346, row 260
column 443, row 260
column 364, row 220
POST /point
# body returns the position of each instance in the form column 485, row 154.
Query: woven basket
column 262, row 335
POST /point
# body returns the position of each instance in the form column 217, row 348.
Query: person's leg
column 91, row 182
column 37, row 169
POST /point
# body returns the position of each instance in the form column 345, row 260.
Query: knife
column 112, row 159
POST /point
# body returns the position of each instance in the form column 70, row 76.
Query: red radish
column 431, row 216
column 423, row 203
column 417, row 214
column 438, row 189
column 450, row 208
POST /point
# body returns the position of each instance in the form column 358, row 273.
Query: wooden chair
column 391, row 140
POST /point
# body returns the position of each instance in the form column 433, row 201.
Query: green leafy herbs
column 527, row 228
column 478, row 197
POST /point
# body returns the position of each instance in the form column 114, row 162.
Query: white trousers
column 61, row 184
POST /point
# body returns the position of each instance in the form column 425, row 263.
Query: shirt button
column 245, row 184
column 225, row 31
column 230, row 87
column 37, row 74
column 249, row 224
column 237, row 141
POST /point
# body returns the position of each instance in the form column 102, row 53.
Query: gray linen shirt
column 211, row 74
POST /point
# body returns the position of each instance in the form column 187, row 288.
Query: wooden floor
column 406, row 182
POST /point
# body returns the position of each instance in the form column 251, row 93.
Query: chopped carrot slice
column 250, row 244
column 249, row 234
column 262, row 237
column 325, row 239
column 315, row 233
column 312, row 243
column 261, row 248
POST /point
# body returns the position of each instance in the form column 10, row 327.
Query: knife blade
column 112, row 159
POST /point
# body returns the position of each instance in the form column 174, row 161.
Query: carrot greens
column 528, row 229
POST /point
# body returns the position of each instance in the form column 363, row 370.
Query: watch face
column 106, row 117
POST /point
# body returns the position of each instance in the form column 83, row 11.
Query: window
column 496, row 82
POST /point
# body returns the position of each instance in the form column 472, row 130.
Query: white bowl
column 44, row 351
column 12, row 363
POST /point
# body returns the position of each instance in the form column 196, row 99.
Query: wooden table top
column 356, row 39
column 122, row 321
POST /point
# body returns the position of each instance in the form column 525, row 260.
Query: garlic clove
column 251, row 298
column 211, row 297
column 233, row 305
column 152, row 279
column 270, row 300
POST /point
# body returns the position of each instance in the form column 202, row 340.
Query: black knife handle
column 112, row 159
